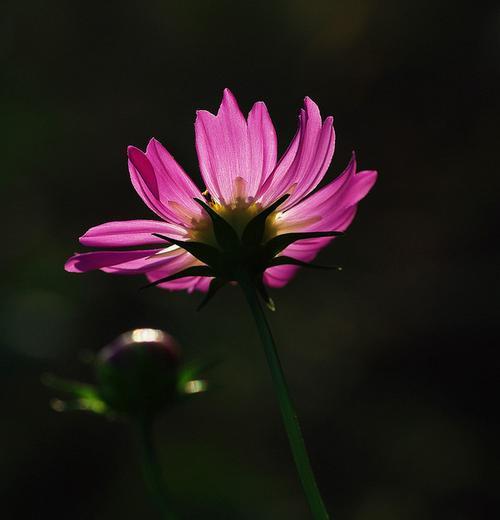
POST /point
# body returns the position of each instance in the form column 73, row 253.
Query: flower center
column 238, row 213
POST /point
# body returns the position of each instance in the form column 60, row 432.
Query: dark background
column 391, row 362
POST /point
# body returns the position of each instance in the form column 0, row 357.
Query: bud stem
column 288, row 413
column 151, row 468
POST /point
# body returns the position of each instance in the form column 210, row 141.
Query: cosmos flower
column 256, row 213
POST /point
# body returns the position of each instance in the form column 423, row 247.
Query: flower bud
column 137, row 373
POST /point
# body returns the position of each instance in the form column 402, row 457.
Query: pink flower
column 250, row 200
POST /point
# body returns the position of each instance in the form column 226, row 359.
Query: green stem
column 288, row 414
column 151, row 468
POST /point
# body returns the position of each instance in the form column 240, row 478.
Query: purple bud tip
column 150, row 339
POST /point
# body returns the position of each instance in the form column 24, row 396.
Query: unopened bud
column 137, row 373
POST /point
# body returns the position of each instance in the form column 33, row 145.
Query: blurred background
column 392, row 363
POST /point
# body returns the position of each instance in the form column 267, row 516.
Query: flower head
column 257, row 214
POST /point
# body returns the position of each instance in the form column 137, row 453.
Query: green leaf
column 288, row 260
column 254, row 230
column 215, row 285
column 194, row 270
column 203, row 252
column 280, row 242
column 226, row 236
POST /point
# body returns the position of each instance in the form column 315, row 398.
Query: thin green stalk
column 288, row 414
column 152, row 470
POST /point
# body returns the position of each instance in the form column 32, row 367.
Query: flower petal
column 330, row 209
column 173, row 182
column 203, row 284
column 189, row 283
column 230, row 149
column 263, row 146
column 223, row 148
column 144, row 181
column 161, row 195
column 325, row 210
column 280, row 275
column 173, row 258
column 304, row 250
column 314, row 151
column 271, row 185
column 83, row 262
column 130, row 233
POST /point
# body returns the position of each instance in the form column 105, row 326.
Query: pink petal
column 315, row 164
column 271, row 186
column 305, row 250
column 312, row 207
column 174, row 259
column 263, row 146
column 334, row 206
column 83, row 262
column 130, row 233
column 203, row 284
column 173, row 182
column 329, row 204
column 161, row 195
column 189, row 283
column 144, row 181
column 229, row 148
column 315, row 146
column 279, row 276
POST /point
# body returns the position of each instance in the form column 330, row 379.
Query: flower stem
column 288, row 414
column 151, row 468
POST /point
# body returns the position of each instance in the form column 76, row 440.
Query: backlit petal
column 165, row 196
column 230, row 148
column 130, row 233
column 83, row 262
column 189, row 283
column 314, row 150
column 173, row 182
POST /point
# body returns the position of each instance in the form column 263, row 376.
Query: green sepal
column 280, row 242
column 288, row 260
column 194, row 270
column 188, row 372
column 96, row 406
column 192, row 373
column 73, row 388
column 226, row 236
column 215, row 285
column 203, row 252
column 254, row 230
column 84, row 397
